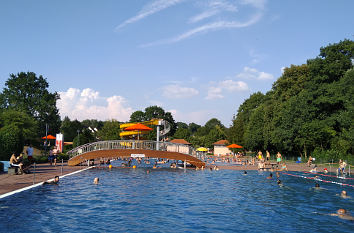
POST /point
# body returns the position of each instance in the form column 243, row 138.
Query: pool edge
column 40, row 183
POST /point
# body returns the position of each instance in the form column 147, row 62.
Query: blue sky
column 198, row 59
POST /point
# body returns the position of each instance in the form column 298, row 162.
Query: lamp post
column 46, row 138
column 78, row 137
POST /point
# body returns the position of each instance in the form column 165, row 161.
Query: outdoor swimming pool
column 167, row 200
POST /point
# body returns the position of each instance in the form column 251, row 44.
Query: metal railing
column 132, row 144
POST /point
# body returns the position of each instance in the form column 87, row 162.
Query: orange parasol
column 138, row 127
column 234, row 146
column 49, row 137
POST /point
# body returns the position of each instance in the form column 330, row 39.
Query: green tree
column 254, row 137
column 84, row 137
column 70, row 128
column 27, row 92
column 154, row 112
column 137, row 116
column 110, row 131
column 181, row 125
column 240, row 123
column 182, row 133
column 11, row 141
column 15, row 129
column 193, row 127
column 93, row 124
column 212, row 123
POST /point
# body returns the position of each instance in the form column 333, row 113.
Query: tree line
column 309, row 110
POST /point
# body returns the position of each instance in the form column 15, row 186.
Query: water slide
column 165, row 129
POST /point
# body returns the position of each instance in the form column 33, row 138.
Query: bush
column 40, row 159
column 62, row 157
column 327, row 156
column 11, row 141
column 67, row 148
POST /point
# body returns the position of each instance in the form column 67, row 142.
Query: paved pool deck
column 44, row 172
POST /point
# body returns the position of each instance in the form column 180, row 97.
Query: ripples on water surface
column 166, row 200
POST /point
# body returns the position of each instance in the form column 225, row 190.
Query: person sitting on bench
column 16, row 162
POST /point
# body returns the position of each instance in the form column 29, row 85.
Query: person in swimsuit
column 344, row 194
column 96, row 180
column 267, row 155
column 343, row 214
column 309, row 162
column 15, row 162
column 55, row 181
column 278, row 158
column 51, row 157
column 270, row 176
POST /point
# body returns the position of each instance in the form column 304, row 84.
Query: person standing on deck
column 260, row 155
column 267, row 155
column 55, row 153
column 29, row 152
column 279, row 157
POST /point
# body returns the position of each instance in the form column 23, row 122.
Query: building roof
column 180, row 141
column 221, row 142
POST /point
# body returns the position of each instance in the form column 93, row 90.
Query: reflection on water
column 167, row 200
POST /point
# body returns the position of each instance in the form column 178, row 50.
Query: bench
column 12, row 170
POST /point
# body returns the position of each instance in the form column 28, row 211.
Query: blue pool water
column 167, row 200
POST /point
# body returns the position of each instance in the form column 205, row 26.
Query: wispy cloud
column 260, row 4
column 206, row 28
column 215, row 26
column 150, row 9
column 176, row 91
column 252, row 73
column 211, row 9
column 217, row 90
column 256, row 57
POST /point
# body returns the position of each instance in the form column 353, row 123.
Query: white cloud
column 213, row 8
column 176, row 91
column 150, row 9
column 217, row 90
column 199, row 117
column 252, row 73
column 216, row 10
column 282, row 69
column 260, row 4
column 256, row 57
column 88, row 104
column 205, row 29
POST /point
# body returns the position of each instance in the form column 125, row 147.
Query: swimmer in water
column 317, row 186
column 280, row 183
column 270, row 176
column 344, row 194
column 245, row 172
column 343, row 214
column 277, row 174
column 96, row 180
column 55, row 181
